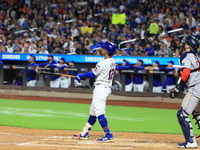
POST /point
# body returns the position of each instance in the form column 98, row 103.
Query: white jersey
column 192, row 62
column 105, row 71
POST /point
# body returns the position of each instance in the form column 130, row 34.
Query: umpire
column 190, row 65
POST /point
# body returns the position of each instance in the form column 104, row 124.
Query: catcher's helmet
column 110, row 47
column 193, row 42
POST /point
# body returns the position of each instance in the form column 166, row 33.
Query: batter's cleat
column 107, row 138
column 80, row 137
column 188, row 145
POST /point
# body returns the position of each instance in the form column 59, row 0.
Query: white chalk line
column 22, row 135
column 81, row 147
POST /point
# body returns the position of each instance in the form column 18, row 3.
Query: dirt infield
column 13, row 138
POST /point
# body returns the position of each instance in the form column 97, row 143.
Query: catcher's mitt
column 176, row 92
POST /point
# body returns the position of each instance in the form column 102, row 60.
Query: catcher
column 190, row 64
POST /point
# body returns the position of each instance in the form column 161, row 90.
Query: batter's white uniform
column 104, row 71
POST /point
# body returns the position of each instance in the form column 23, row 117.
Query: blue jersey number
column 111, row 74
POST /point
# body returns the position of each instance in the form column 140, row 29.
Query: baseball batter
column 31, row 74
column 190, row 64
column 104, row 73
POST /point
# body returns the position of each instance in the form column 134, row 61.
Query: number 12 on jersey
column 111, row 74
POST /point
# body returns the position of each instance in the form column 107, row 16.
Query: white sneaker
column 188, row 145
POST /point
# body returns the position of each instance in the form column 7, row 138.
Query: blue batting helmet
column 193, row 42
column 110, row 47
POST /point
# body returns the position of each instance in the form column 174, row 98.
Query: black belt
column 103, row 84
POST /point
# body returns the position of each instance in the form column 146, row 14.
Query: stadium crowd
column 79, row 27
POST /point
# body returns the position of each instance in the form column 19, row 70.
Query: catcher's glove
column 177, row 92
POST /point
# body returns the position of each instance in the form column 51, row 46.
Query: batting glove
column 79, row 77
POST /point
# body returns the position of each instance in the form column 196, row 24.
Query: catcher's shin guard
column 196, row 116
column 186, row 125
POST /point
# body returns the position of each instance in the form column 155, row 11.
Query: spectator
column 154, row 28
column 128, row 49
column 149, row 49
column 9, row 47
column 191, row 21
column 118, row 52
column 123, row 52
column 74, row 32
column 26, row 23
column 35, row 37
column 57, row 50
column 164, row 51
column 50, row 19
column 43, row 50
column 136, row 53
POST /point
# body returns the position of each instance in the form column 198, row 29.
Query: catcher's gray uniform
column 191, row 100
column 190, row 104
column 191, row 76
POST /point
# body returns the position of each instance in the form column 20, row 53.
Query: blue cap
column 171, row 62
column 178, row 40
column 33, row 57
column 62, row 59
column 114, row 34
column 157, row 62
column 72, row 61
column 50, row 56
column 127, row 63
column 140, row 60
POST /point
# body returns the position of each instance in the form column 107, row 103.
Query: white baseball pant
column 157, row 89
column 129, row 87
column 191, row 100
column 100, row 94
column 55, row 83
column 138, row 87
column 65, row 82
column 31, row 83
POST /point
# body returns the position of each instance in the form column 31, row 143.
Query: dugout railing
column 17, row 68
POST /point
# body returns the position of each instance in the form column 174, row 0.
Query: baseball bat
column 55, row 74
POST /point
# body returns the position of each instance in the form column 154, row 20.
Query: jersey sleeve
column 186, row 63
column 98, row 69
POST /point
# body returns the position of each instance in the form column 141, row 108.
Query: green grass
column 69, row 116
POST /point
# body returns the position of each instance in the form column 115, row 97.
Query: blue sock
column 104, row 124
column 91, row 120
